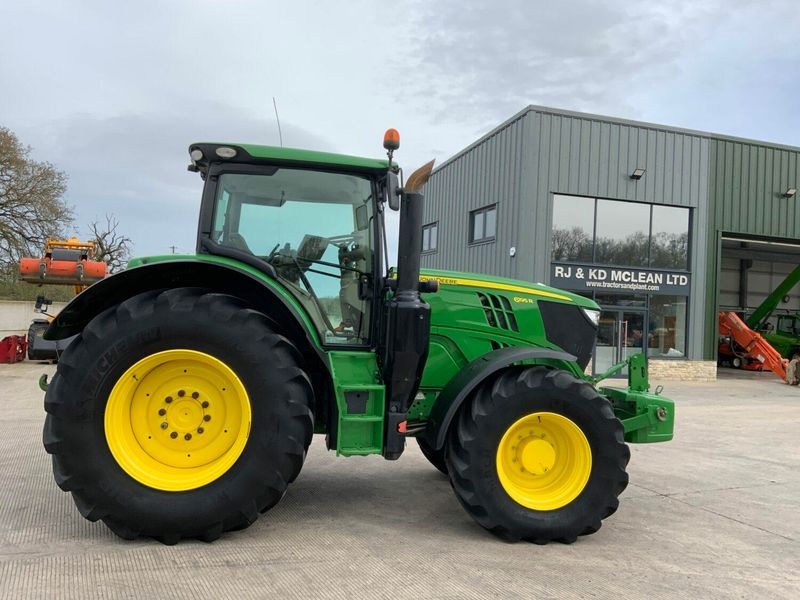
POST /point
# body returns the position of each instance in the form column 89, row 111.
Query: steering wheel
column 274, row 252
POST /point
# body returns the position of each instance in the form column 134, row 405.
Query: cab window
column 315, row 229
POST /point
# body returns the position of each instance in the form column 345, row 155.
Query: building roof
column 616, row 120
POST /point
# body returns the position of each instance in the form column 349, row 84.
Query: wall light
column 790, row 192
column 637, row 173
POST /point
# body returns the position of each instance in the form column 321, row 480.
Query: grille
column 498, row 312
column 566, row 326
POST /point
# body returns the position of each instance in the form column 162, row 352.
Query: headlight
column 225, row 152
column 592, row 315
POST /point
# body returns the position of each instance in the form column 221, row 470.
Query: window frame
column 483, row 210
column 430, row 227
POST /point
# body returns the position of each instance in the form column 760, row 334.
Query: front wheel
column 538, row 455
column 434, row 456
column 178, row 414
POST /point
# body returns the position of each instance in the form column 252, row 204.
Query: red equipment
column 12, row 348
column 739, row 343
column 67, row 262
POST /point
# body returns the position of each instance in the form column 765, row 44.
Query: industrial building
column 662, row 226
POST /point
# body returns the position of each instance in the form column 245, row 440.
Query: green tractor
column 187, row 402
column 785, row 335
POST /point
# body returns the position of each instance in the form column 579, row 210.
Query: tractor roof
column 249, row 153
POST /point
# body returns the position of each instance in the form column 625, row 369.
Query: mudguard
column 213, row 273
column 467, row 379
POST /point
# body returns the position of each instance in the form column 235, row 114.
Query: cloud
column 134, row 166
column 114, row 93
column 485, row 61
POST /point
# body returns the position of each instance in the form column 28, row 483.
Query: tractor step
column 360, row 405
column 361, row 426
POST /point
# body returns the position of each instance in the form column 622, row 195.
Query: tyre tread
column 490, row 396
column 66, row 413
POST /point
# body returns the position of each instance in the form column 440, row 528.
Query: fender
column 214, row 273
column 467, row 379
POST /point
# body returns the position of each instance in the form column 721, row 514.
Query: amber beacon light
column 391, row 139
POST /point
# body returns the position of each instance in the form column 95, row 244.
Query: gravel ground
column 712, row 514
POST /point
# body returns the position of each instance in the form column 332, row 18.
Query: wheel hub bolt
column 164, row 425
column 187, row 437
column 200, row 430
column 195, row 395
column 204, row 404
column 181, row 393
column 206, row 417
column 173, row 435
column 162, row 412
column 168, row 399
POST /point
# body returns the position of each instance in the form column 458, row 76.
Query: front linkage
column 646, row 416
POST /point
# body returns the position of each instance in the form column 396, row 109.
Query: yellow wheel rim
column 544, row 461
column 177, row 420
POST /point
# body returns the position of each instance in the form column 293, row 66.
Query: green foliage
column 19, row 290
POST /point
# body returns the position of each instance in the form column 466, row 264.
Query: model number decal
column 525, row 300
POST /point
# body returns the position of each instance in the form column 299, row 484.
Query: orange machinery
column 65, row 262
column 747, row 349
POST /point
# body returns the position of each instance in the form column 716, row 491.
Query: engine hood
column 521, row 290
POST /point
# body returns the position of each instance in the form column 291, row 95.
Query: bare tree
column 31, row 204
column 111, row 246
column 571, row 244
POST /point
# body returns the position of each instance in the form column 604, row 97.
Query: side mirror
column 392, row 190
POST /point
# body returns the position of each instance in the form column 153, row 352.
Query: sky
column 113, row 93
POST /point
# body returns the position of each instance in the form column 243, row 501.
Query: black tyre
column 178, row 414
column 538, row 455
column 35, row 332
column 435, row 457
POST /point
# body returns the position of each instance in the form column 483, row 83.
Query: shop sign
column 593, row 278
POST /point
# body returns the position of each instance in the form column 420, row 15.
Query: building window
column 483, row 224
column 667, row 328
column 669, row 244
column 573, row 228
column 430, row 233
column 614, row 232
column 622, row 233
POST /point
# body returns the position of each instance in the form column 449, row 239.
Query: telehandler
column 187, row 402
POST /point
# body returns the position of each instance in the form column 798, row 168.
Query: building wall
column 762, row 277
column 746, row 186
column 546, row 152
column 16, row 316
column 491, row 171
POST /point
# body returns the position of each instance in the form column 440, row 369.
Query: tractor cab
column 313, row 224
column 315, row 229
column 788, row 324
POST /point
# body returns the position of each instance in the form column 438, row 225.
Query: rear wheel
column 538, row 455
column 178, row 414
